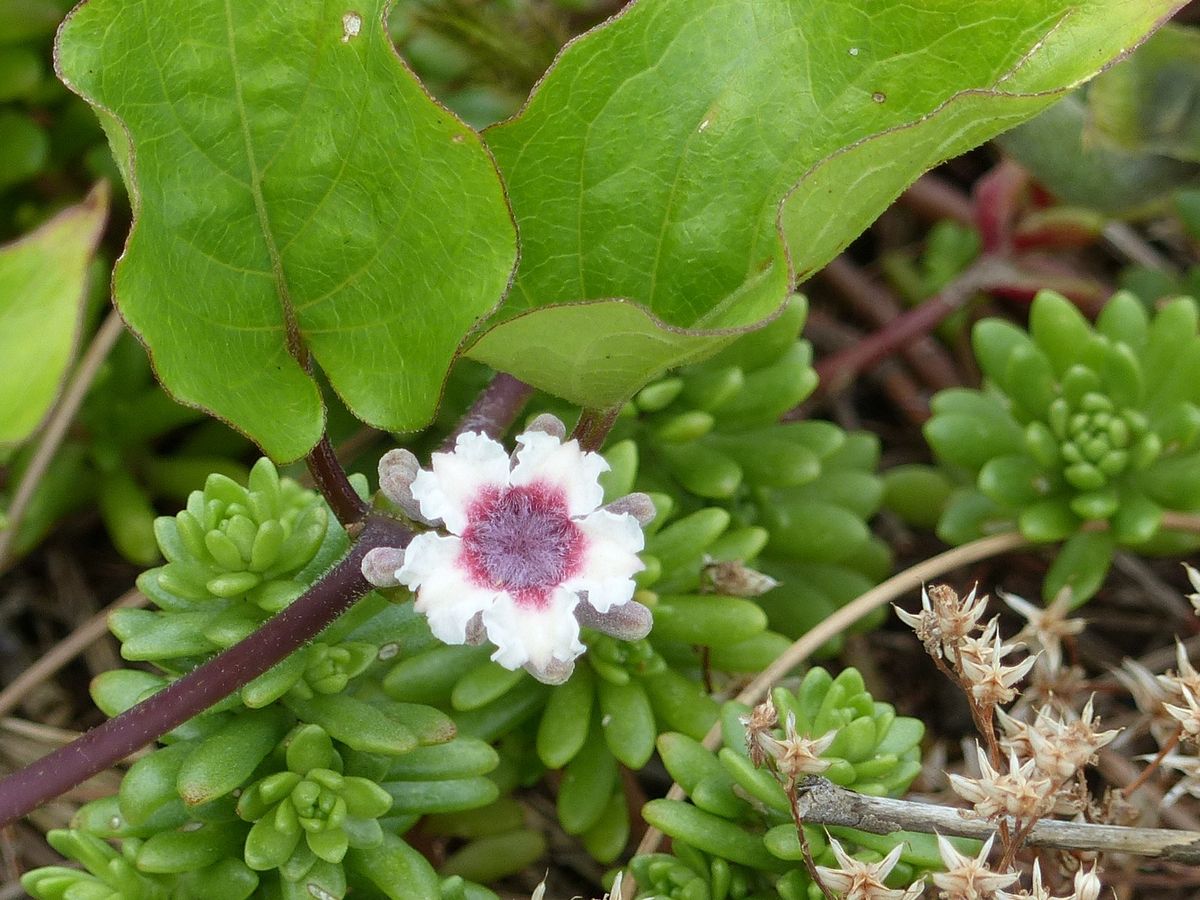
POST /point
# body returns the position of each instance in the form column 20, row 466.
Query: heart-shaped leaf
column 298, row 198
column 43, row 281
column 680, row 166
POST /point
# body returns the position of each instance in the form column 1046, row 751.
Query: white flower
column 528, row 543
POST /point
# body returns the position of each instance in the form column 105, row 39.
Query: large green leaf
column 43, row 283
column 298, row 198
column 689, row 161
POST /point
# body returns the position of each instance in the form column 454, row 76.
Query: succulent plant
column 310, row 811
column 798, row 494
column 1077, row 426
column 235, row 556
column 187, row 865
column 736, row 837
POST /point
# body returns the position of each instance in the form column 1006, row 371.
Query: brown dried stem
column 823, row 803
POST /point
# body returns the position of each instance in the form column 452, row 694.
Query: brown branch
column 828, row 334
column 934, row 198
column 823, row 803
column 840, row 369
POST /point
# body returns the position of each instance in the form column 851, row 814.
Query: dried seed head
column 1187, row 716
column 762, row 719
column 1037, row 889
column 1022, row 791
column 990, row 682
column 735, row 578
column 1194, row 578
column 1046, row 627
column 854, row 879
column 1185, row 677
column 945, row 619
column 1186, row 766
column 1150, row 696
column 796, row 756
column 1087, row 885
column 1062, row 748
column 1053, row 689
column 967, row 877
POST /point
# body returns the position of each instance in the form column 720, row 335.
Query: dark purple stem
column 330, row 479
column 494, row 410
column 109, row 743
column 593, row 427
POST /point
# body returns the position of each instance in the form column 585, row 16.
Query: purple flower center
column 521, row 540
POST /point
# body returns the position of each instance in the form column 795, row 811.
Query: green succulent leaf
column 1080, row 567
column 43, row 283
column 299, row 198
column 608, row 289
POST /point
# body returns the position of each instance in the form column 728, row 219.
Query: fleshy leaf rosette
column 527, row 551
column 235, row 556
column 736, row 837
column 310, row 811
column 1077, row 425
column 711, row 434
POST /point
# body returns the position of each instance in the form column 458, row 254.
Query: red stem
column 195, row 692
column 330, row 479
column 871, row 300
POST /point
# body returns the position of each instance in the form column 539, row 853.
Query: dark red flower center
column 522, row 540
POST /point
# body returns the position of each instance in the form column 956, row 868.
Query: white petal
column 609, row 559
column 445, row 594
column 543, row 458
column 524, row 634
column 457, row 478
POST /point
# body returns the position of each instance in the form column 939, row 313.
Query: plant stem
column 195, row 692
column 65, row 651
column 593, row 427
column 823, row 803
column 1171, row 743
column 494, row 410
column 908, row 580
column 798, row 818
column 330, row 479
